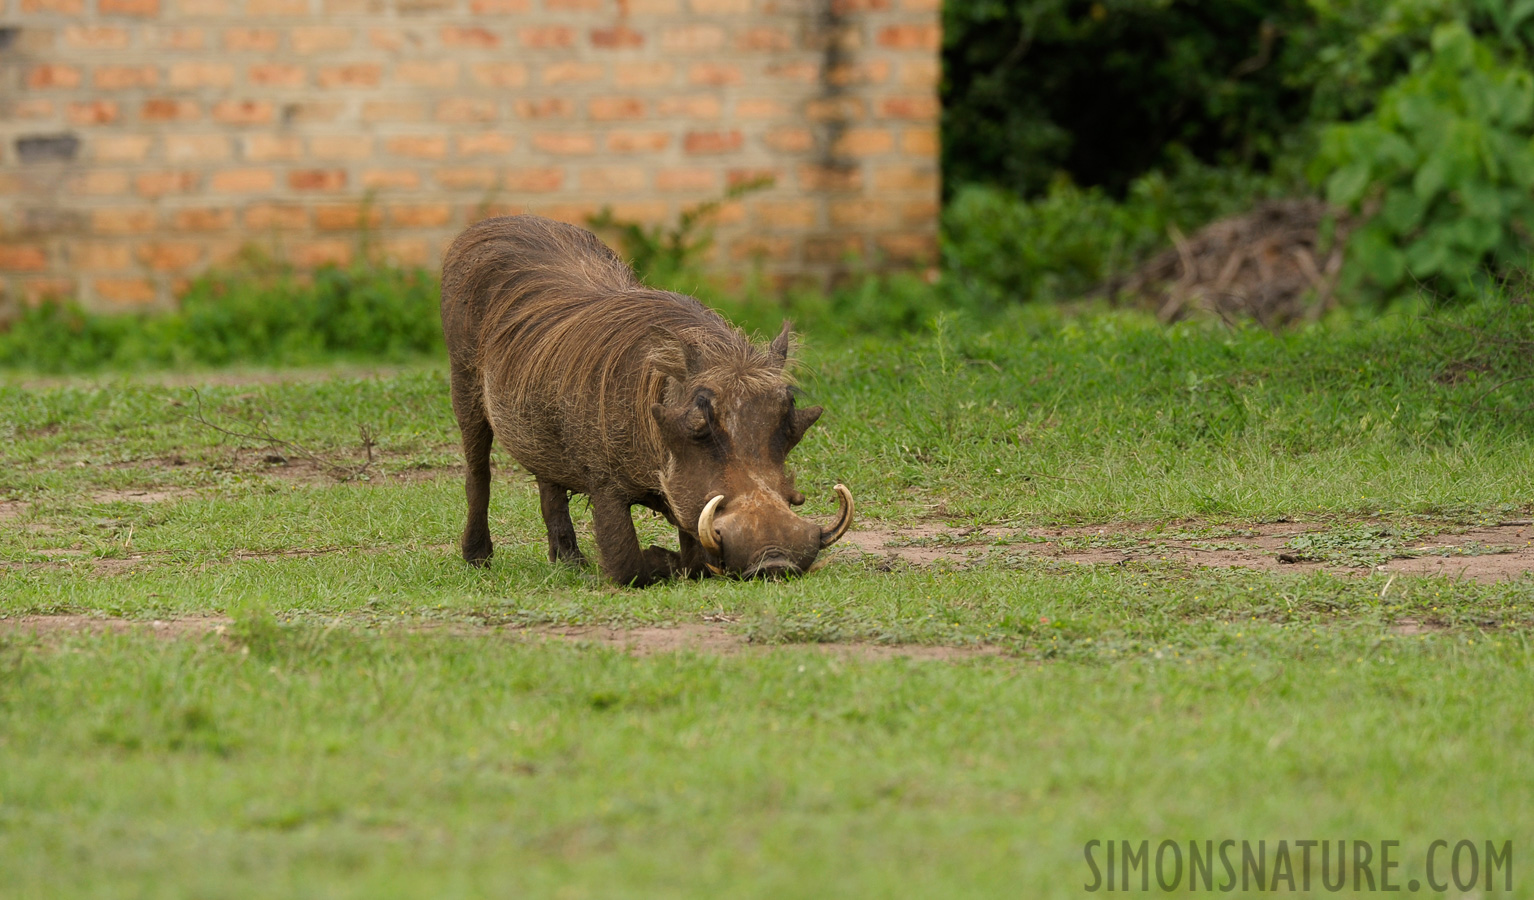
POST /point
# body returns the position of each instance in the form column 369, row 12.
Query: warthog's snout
column 761, row 537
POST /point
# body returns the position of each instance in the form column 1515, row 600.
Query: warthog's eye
column 699, row 420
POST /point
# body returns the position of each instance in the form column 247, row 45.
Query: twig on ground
column 264, row 434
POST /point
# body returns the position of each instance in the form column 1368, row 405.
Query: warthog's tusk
column 706, row 524
column 829, row 536
column 713, row 568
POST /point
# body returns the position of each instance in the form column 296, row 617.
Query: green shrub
column 1442, row 169
column 255, row 313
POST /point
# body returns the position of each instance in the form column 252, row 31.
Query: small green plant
column 663, row 255
column 1443, row 171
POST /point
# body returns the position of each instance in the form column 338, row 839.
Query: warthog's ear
column 778, row 351
column 799, row 422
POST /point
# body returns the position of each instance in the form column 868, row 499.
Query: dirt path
column 1489, row 553
column 713, row 637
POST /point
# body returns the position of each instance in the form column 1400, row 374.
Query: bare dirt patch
column 694, row 637
column 1488, row 554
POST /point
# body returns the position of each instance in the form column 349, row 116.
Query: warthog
column 598, row 385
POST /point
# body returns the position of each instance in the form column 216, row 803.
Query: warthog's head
column 726, row 430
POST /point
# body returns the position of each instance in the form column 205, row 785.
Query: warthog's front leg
column 617, row 542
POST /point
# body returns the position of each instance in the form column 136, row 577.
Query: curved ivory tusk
column 706, row 524
column 829, row 536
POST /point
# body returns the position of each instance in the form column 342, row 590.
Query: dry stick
column 339, row 472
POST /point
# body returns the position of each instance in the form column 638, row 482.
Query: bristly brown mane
column 576, row 347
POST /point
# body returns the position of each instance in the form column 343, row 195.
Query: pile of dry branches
column 1269, row 264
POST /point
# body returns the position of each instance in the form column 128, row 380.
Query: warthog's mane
column 577, row 346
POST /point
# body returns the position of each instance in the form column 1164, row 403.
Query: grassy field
column 340, row 708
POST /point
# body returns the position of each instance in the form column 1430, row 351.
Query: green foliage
column 256, row 313
column 1443, row 169
column 666, row 255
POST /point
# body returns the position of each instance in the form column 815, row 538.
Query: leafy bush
column 1443, row 169
column 251, row 314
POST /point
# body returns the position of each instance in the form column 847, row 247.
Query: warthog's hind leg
column 554, row 501
column 622, row 559
column 477, row 437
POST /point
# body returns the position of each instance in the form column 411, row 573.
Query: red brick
column 134, row 220
column 714, row 73
column 62, row 7
column 121, row 147
column 564, row 143
column 533, row 181
column 272, row 147
column 859, row 6
column 693, row 37
column 787, row 213
column 285, row 8
column 829, row 178
column 201, row 74
column 207, row 9
column 92, row 112
column 617, row 37
column 863, row 142
column 608, row 108
column 613, row 179
column 129, row 7
column 52, row 75
column 439, row 74
column 114, row 78
column 790, row 139
column 906, row 178
column 863, row 213
column 34, row 291
column 720, row 7
column 466, row 109
column 169, row 256
column 421, row 215
column 311, row 254
column 922, row 107
column 908, row 248
column 763, row 248
column 393, row 111
column 181, row 39
column 574, row 5
column 760, row 108
column 319, row 38
column 347, row 217
column 911, row 37
column 203, row 219
column 924, row 73
column 869, row 72
column 920, row 143
column 830, row 109
column 156, row 184
column 351, row 75
column 486, row 144
column 574, row 213
column 276, row 74
column 313, row 111
column 764, row 38
column 498, row 7
column 640, row 74
column 466, row 178
column 712, row 142
column 692, row 179
column 242, row 181
column 33, row 108
column 409, row 251
column 280, row 216
column 100, row 256
column 244, row 112
column 546, row 108
column 417, row 146
column 638, row 141
column 23, row 257
column 390, row 179
column 317, row 179
column 181, row 148
column 99, row 37
column 100, row 182
column 499, row 74
column 125, row 291
column 572, row 72
column 469, row 37
column 693, row 106
column 920, row 212
column 341, row 146
column 801, row 71
column 832, row 248
column 261, row 40
column 546, row 37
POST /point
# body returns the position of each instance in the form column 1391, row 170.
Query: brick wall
column 142, row 141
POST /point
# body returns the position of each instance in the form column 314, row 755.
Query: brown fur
column 598, row 385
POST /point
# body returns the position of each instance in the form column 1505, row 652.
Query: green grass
column 371, row 724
